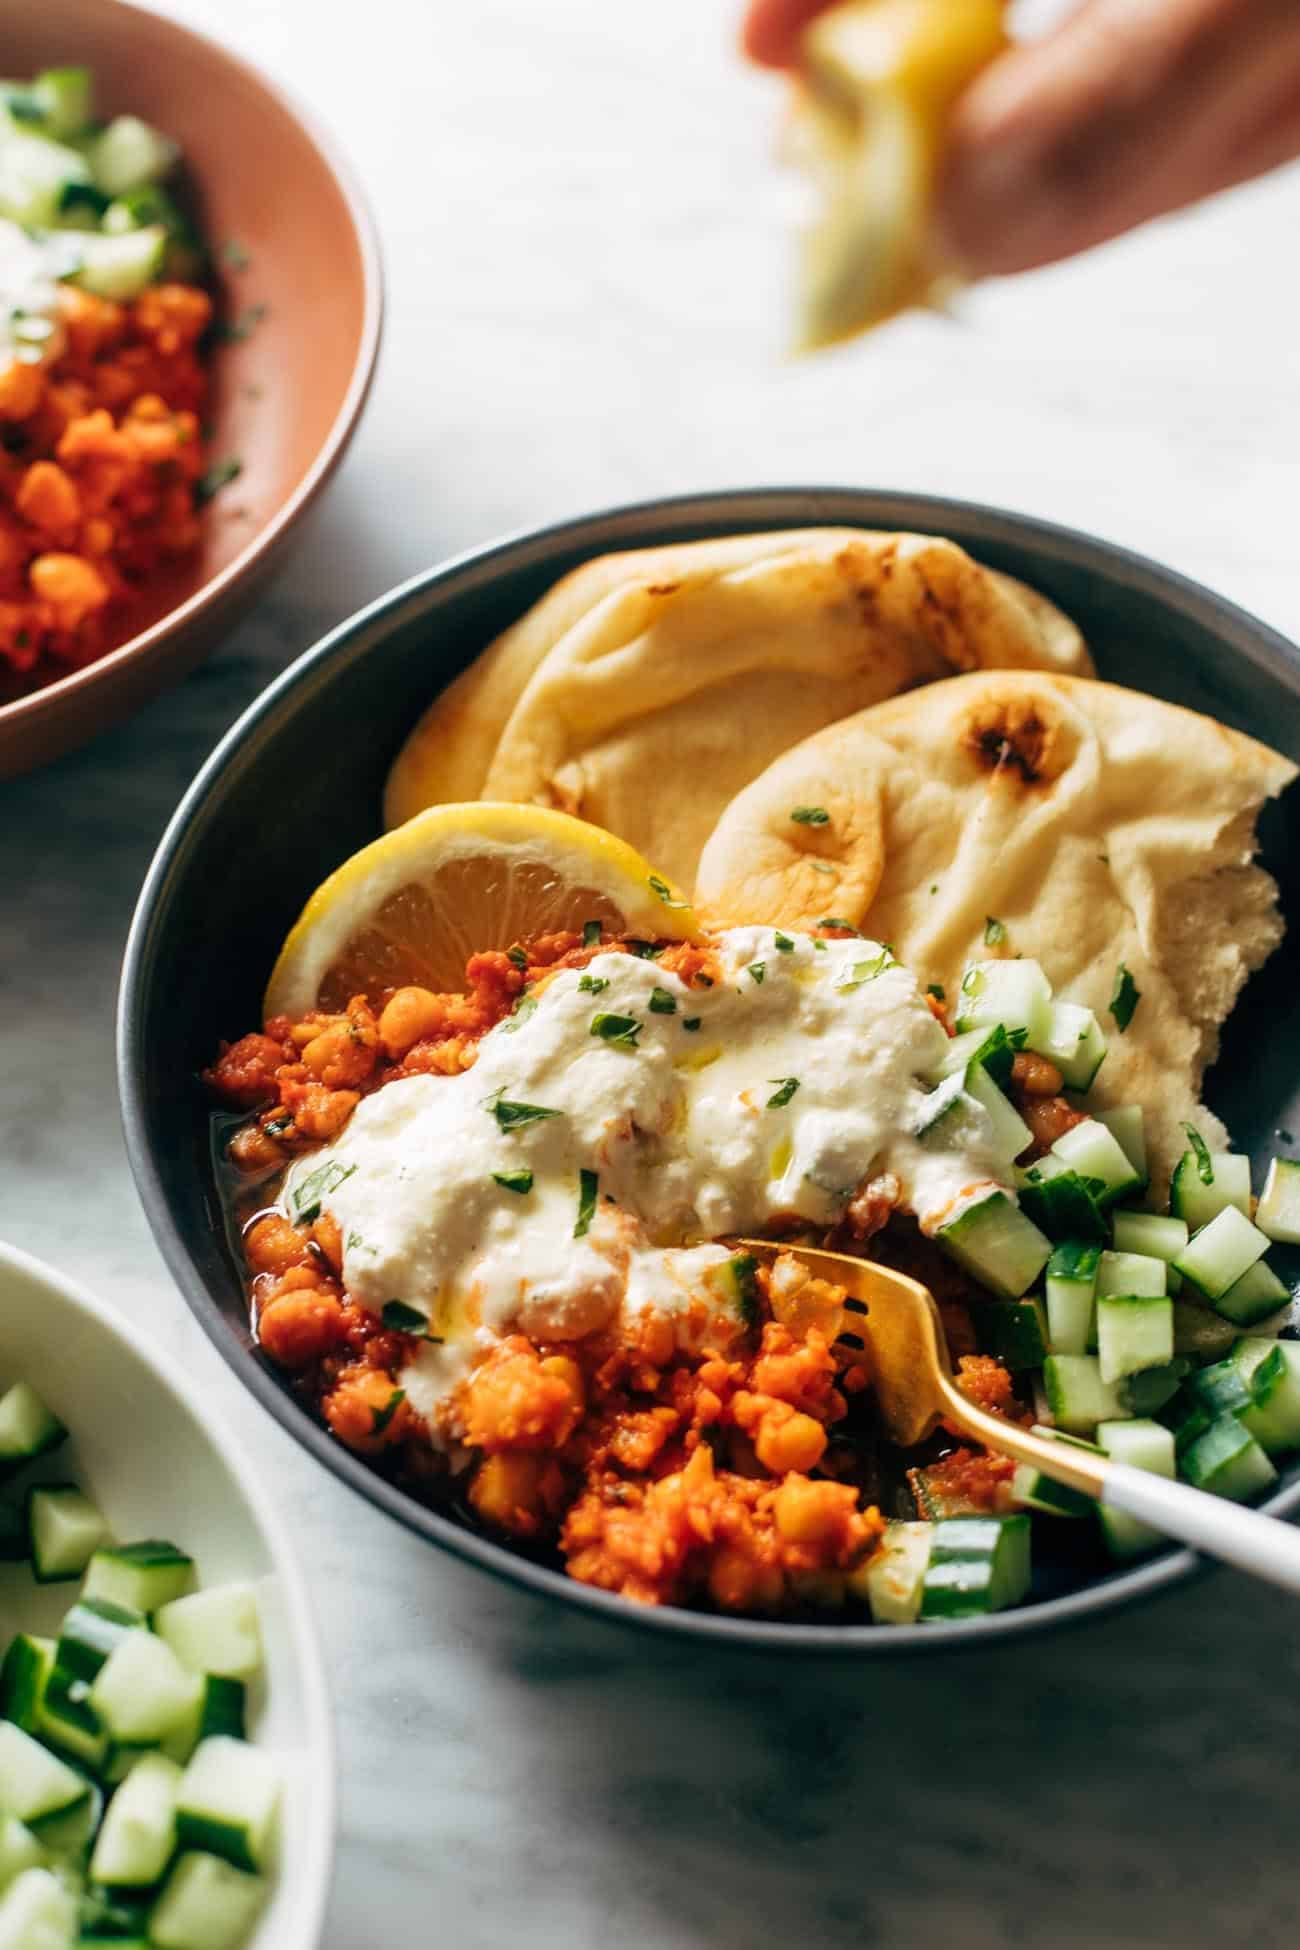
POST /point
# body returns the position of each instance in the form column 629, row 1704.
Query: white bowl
column 144, row 1448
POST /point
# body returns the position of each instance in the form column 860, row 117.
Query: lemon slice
column 416, row 904
column 878, row 84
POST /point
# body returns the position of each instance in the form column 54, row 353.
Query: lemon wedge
column 416, row 904
column 878, row 82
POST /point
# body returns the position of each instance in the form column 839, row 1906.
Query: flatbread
column 646, row 690
column 1099, row 826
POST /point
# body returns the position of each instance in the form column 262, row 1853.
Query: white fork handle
column 1264, row 1546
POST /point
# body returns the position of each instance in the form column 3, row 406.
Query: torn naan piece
column 646, row 690
column 1009, row 813
column 873, row 98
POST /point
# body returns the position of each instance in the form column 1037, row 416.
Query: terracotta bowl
column 287, row 395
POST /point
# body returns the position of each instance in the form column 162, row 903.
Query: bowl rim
column 309, row 1656
column 267, row 538
column 612, row 528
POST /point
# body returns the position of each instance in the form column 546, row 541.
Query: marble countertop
column 584, row 277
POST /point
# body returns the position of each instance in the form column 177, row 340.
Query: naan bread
column 877, row 83
column 646, row 690
column 1097, row 825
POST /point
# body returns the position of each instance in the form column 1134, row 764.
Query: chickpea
column 806, row 1514
column 566, row 1370
column 339, row 1056
column 273, row 1245
column 514, row 1491
column 792, row 1442
column 301, row 1326
column 739, row 1581
column 410, row 1016
column 328, row 1235
column 362, row 1411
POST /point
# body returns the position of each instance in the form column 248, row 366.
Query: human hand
column 1130, row 109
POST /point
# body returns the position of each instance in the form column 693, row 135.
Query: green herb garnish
column 591, row 984
column 936, row 989
column 234, row 254
column 525, row 1007
column 665, row 892
column 514, row 1181
column 783, row 943
column 1125, row 998
column 867, row 971
column 646, row 950
column 219, row 475
column 691, row 1023
column 512, row 1116
column 403, row 1319
column 845, row 927
column 587, row 1184
column 590, row 933
column 811, row 816
column 1204, row 1162
column 308, row 1193
column 354, row 1241
column 622, row 1031
column 517, row 956
column 758, row 969
column 744, row 1274
column 819, row 943
column 234, row 330
column 994, row 932
column 780, row 1098
column 820, row 866
column 661, row 1003
column 381, row 1417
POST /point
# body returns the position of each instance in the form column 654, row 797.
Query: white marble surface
column 584, row 267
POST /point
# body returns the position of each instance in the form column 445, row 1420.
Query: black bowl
column 295, row 787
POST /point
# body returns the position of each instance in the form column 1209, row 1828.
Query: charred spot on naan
column 1018, row 737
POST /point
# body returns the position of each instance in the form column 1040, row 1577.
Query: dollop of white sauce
column 693, row 1133
column 30, row 268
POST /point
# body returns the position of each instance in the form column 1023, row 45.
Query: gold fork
column 898, row 1335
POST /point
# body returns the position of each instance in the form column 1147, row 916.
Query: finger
column 1132, row 109
column 772, row 28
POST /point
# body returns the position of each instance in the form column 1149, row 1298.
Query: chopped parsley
column 818, row 943
column 661, row 1003
column 622, row 1031
column 514, row 1181
column 758, row 969
column 743, row 1268
column 234, row 254
column 403, row 1319
column 354, row 1241
column 381, row 1417
column 219, row 475
column 308, row 1193
column 783, row 943
column 994, row 932
column 646, row 950
column 934, row 886
column 512, row 1116
column 972, row 982
column 1124, row 999
column 592, row 984
column 936, row 989
column 590, row 933
column 234, row 330
column 1204, row 1162
column 820, row 866
column 780, row 1098
column 519, row 1015
column 867, row 971
column 517, row 956
column 846, row 927
column 664, row 892
column 811, row 816
column 691, row 1023
column 588, row 1182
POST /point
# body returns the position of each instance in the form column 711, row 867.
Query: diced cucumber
column 1140, row 1445
column 977, row 1565
column 214, row 1631
column 206, row 1905
column 1035, row 1491
column 1011, row 1134
column 961, row 1051
column 1015, row 994
column 1075, row 1043
column 1256, row 1295
column 935, row 1499
column 1128, row 1127
column 1071, row 1293
column 143, row 1692
column 1060, row 1202
column 69, row 1720
column 1076, row 1394
column 1191, row 1198
column 946, row 1102
column 66, row 97
column 37, row 1913
column 1147, row 1392
column 1228, row 1461
column 118, row 1916
column 1091, row 1150
column 1221, row 1252
column 28, row 1662
column 1013, row 1330
column 890, row 1580
column 128, row 154
column 65, row 1528
column 1150, row 1234
column 996, row 1242
column 1278, row 1211
column 120, row 267
column 1271, row 1369
column 218, row 1708
column 142, row 1577
column 19, row 1849
column 34, row 1783
column 35, row 175
column 1200, row 1332
column 1131, row 1273
column 27, row 1427
column 91, row 1631
column 227, row 1802
column 135, row 1842
column 1134, row 1331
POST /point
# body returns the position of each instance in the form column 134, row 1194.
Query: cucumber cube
column 1278, row 1211
column 996, row 1242
column 227, row 1802
column 206, row 1905
column 37, row 1913
column 1071, row 1292
column 977, row 1565
column 1015, row 994
column 1076, row 1394
column 1062, row 1203
column 1223, row 1389
column 1013, row 1330
column 65, row 97
column 33, row 1782
column 1075, row 1043
column 1146, row 1392
column 215, row 1631
column 128, row 154
column 1140, row 1445
column 142, row 1691
column 1191, row 1198
column 1228, row 1461
column 23, row 1676
column 1092, row 1151
column 1271, row 1370
column 140, row 1576
column 1150, row 1234
column 65, row 1528
column 1011, row 1134
column 120, row 267
column 138, row 1834
column 19, row 1849
column 1256, row 1295
column 1127, row 1126
column 1034, row 1491
column 27, row 1427
column 1221, row 1252
column 1134, row 1331
column 890, row 1580
column 1131, row 1273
